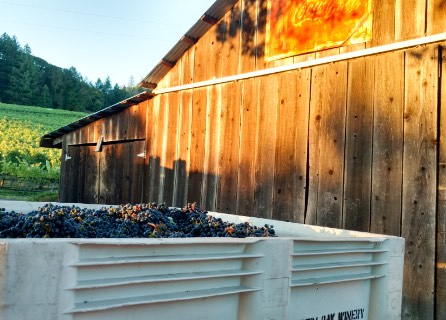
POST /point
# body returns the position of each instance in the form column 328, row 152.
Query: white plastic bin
column 306, row 273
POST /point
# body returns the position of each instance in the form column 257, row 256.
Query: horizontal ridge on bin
column 101, row 283
column 160, row 259
column 336, row 251
column 158, row 298
column 332, row 265
column 334, row 279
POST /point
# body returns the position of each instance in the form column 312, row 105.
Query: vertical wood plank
column 198, row 133
column 92, row 177
column 64, row 172
column 213, row 53
column 74, row 163
column 141, row 163
column 211, row 148
column 106, row 175
column 149, row 132
column 120, row 158
column 69, row 179
column 229, row 148
column 135, row 120
column 230, row 52
column 387, row 144
column 262, row 17
column 248, row 33
column 207, row 56
column 327, row 140
column 169, row 107
column 248, row 147
column 285, row 178
column 161, row 145
column 83, row 134
column 436, row 16
column 99, row 129
column 358, row 149
column 302, row 127
column 317, row 91
column 331, row 169
column 137, row 170
column 186, row 64
column 383, row 22
column 265, row 155
column 125, row 174
column 171, row 148
column 420, row 181
column 440, row 285
column 124, row 123
column 182, row 163
column 153, row 183
column 80, row 173
column 410, row 19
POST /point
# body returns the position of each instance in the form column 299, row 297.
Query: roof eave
column 212, row 16
column 52, row 139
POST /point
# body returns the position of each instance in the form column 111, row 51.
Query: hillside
column 49, row 119
column 26, row 79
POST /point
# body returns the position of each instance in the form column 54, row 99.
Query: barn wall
column 236, row 44
column 352, row 144
column 358, row 144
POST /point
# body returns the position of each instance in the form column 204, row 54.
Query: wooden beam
column 148, row 85
column 188, row 40
column 167, row 63
column 208, row 20
column 99, row 144
column 57, row 141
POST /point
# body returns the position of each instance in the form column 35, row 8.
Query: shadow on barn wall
column 249, row 21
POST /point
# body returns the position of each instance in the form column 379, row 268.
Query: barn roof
column 48, row 139
column 207, row 20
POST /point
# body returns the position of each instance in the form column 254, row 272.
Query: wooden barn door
column 112, row 175
column 120, row 172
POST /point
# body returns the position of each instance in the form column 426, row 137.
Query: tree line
column 29, row 80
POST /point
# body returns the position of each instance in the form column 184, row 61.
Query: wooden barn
column 330, row 113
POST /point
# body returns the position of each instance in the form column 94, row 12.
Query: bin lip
column 286, row 229
column 283, row 229
column 182, row 241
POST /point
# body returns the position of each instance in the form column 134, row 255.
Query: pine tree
column 45, row 97
column 9, row 59
column 24, row 78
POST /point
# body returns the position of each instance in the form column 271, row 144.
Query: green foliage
column 21, row 128
column 29, row 80
column 37, row 172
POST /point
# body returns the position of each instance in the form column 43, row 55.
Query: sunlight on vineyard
column 20, row 140
column 21, row 128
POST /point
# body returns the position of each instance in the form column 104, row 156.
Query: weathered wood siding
column 440, row 270
column 360, row 154
column 358, row 144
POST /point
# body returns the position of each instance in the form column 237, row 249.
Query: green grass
column 49, row 119
column 21, row 128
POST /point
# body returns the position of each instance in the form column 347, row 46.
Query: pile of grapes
column 126, row 221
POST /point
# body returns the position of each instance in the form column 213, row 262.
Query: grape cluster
column 126, row 221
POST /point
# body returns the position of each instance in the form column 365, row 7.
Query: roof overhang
column 207, row 20
column 54, row 138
